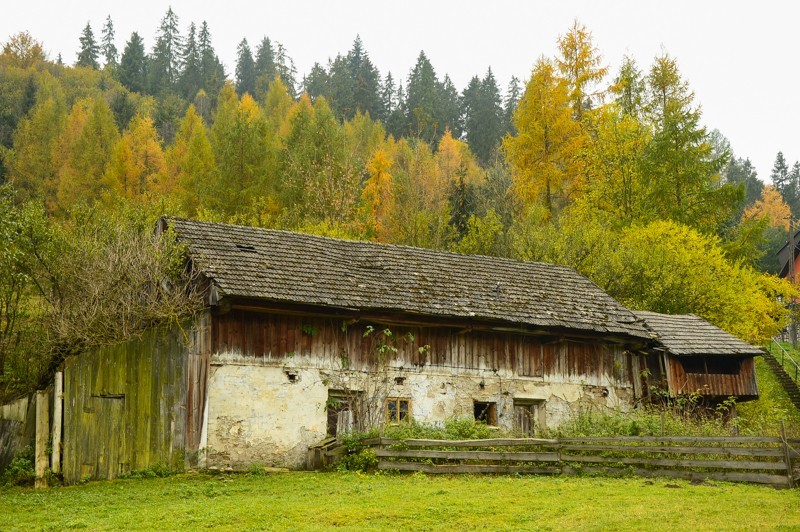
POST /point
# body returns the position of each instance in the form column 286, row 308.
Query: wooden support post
column 787, row 456
column 58, row 402
column 42, row 460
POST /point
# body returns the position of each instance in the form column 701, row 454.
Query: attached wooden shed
column 690, row 355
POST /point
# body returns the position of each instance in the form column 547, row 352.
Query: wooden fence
column 762, row 460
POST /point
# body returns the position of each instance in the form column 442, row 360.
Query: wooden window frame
column 397, row 401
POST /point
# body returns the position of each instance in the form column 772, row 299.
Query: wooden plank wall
column 328, row 342
column 722, row 385
column 124, row 407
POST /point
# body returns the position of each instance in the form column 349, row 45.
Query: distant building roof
column 687, row 334
column 282, row 266
column 784, row 256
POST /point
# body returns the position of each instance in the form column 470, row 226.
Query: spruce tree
column 132, row 72
column 286, row 69
column 245, row 70
column 191, row 76
column 110, row 53
column 211, row 70
column 266, row 69
column 317, row 83
column 513, row 94
column 422, row 105
column 165, row 60
column 90, row 51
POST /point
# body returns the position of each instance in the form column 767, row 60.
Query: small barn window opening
column 399, row 381
column 398, row 409
column 341, row 412
column 485, row 412
column 529, row 416
column 246, row 247
column 292, row 376
column 712, row 365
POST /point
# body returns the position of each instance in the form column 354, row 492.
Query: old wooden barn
column 305, row 336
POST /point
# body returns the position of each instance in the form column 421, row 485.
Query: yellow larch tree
column 544, row 154
column 772, row 206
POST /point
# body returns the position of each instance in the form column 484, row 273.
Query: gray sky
column 740, row 58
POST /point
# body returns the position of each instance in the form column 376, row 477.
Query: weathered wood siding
column 17, row 428
column 125, row 407
column 323, row 342
column 742, row 384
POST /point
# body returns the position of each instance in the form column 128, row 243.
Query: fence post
column 42, row 460
column 788, row 457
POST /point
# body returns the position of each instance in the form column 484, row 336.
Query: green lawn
column 313, row 501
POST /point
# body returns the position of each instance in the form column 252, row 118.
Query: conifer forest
column 611, row 172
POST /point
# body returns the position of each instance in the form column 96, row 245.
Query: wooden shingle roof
column 282, row 266
column 691, row 335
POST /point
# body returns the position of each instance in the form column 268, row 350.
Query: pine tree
column 483, row 116
column 422, row 105
column 132, row 70
column 108, row 47
column 266, row 70
column 191, row 76
column 286, row 70
column 211, row 70
column 450, row 107
column 245, row 70
column 366, row 82
column 165, row 59
column 317, row 83
column 90, row 51
column 513, row 94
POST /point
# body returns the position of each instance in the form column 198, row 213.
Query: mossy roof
column 283, row 266
column 691, row 335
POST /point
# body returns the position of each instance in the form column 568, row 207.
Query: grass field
column 313, row 501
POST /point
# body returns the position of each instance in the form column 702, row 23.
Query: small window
column 247, row 248
column 398, row 410
column 486, row 412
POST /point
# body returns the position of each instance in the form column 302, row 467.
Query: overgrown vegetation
column 65, row 286
column 21, row 471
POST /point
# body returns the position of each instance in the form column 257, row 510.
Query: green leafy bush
column 21, row 470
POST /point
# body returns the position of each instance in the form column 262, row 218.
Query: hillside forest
column 610, row 172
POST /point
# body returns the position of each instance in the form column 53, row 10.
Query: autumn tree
column 33, row 163
column 377, row 197
column 543, row 153
column 84, row 151
column 137, row 165
column 579, row 62
column 239, row 139
column 772, row 207
column 22, row 51
column 190, row 164
column 683, row 170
